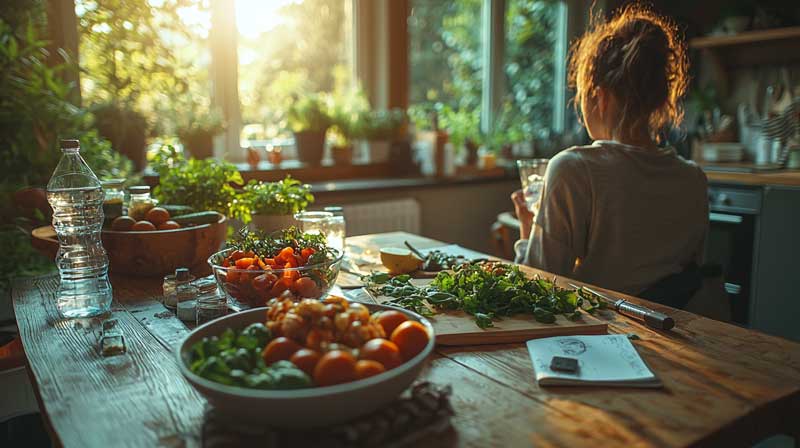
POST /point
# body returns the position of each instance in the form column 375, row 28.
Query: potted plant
column 346, row 127
column 124, row 127
column 309, row 120
column 273, row 204
column 197, row 133
column 463, row 128
column 379, row 128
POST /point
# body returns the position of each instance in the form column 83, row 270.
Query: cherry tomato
column 264, row 281
column 335, row 367
column 232, row 276
column 237, row 254
column 306, row 359
column 279, row 349
column 411, row 337
column 269, row 261
column 385, row 352
column 249, row 254
column 157, row 216
column 368, row 368
column 389, row 320
column 279, row 287
column 168, row 225
column 307, row 253
column 291, row 275
column 143, row 226
column 305, row 287
column 243, row 263
column 285, row 254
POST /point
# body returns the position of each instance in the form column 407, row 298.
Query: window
column 288, row 47
column 508, row 55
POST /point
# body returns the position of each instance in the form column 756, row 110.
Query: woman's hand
column 524, row 215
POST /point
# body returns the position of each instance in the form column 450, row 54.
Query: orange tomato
column 411, row 337
column 279, row 349
column 285, row 254
column 335, row 367
column 389, row 320
column 306, row 359
column 368, row 368
column 244, row 263
column 385, row 352
column 305, row 287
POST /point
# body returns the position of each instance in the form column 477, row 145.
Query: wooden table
column 724, row 385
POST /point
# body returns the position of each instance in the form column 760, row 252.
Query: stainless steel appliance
column 732, row 242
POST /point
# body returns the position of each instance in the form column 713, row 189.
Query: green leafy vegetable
column 486, row 290
column 285, row 197
column 268, row 245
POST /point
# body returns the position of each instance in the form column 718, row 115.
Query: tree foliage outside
column 446, row 57
column 306, row 52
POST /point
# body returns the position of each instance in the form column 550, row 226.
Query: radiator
column 383, row 216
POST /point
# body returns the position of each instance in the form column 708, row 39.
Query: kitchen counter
column 758, row 178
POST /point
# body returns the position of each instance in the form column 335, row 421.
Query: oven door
column 730, row 243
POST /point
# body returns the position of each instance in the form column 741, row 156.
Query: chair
column 505, row 231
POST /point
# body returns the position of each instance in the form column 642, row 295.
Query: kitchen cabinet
column 775, row 306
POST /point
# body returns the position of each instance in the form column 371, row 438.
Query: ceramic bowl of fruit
column 160, row 243
column 306, row 364
column 256, row 267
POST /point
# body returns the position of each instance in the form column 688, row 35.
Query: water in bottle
column 76, row 196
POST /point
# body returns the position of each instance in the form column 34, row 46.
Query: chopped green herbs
column 487, row 291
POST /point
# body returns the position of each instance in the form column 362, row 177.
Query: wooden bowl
column 153, row 253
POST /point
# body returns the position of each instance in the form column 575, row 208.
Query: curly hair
column 638, row 57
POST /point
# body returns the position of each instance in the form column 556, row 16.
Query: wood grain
column 724, row 385
column 783, row 177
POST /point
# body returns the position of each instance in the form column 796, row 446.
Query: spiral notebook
column 603, row 360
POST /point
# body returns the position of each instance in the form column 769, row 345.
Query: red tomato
column 280, row 286
column 305, row 287
column 411, row 337
column 389, row 320
column 237, row 254
column 306, row 359
column 385, row 352
column 335, row 367
column 264, row 281
column 307, row 253
column 285, row 254
column 279, row 349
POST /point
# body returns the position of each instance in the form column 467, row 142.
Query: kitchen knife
column 651, row 318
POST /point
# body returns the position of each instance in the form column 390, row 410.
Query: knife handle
column 651, row 318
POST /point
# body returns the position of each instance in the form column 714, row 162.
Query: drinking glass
column 326, row 223
column 531, row 174
column 210, row 307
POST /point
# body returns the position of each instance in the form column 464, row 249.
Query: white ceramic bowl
column 301, row 408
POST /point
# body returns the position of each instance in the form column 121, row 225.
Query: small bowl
column 301, row 408
column 242, row 289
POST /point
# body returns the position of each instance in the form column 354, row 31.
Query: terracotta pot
column 342, row 155
column 271, row 223
column 200, row 144
column 310, row 146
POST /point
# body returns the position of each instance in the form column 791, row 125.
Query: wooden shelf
column 747, row 37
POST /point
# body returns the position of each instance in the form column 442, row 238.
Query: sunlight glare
column 254, row 17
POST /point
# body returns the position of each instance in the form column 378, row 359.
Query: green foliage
column 21, row 259
column 309, row 113
column 204, row 185
column 381, row 124
column 200, row 123
column 269, row 245
column 140, row 55
column 446, row 59
column 285, row 197
column 462, row 125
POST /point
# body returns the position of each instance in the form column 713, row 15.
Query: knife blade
column 651, row 318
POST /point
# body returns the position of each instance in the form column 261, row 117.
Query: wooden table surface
column 724, row 385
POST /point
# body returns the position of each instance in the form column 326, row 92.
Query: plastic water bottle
column 76, row 196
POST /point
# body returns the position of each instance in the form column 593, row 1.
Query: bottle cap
column 70, row 144
column 335, row 209
column 139, row 189
column 181, row 274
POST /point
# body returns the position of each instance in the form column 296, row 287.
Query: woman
column 622, row 213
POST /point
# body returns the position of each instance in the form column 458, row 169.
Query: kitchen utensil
column 653, row 319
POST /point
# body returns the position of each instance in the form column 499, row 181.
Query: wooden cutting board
column 459, row 328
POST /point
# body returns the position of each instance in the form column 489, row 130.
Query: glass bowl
column 254, row 286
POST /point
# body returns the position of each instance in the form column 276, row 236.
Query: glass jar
column 140, row 202
column 326, row 223
column 113, row 199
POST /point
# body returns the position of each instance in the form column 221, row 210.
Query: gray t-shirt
column 618, row 216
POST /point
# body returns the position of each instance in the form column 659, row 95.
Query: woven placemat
column 423, row 410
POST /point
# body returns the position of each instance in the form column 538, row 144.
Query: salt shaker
column 185, row 295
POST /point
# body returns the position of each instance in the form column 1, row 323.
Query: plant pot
column 472, row 152
column 271, row 223
column 379, row 151
column 199, row 144
column 342, row 155
column 310, row 146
